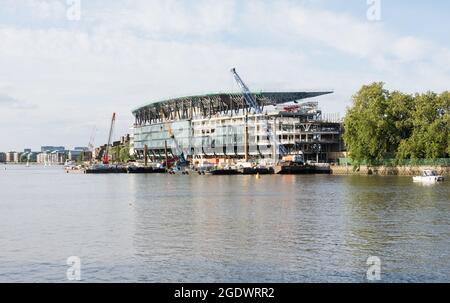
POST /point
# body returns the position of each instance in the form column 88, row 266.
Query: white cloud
column 44, row 9
column 84, row 77
column 340, row 32
column 155, row 17
column 408, row 49
column 9, row 102
column 39, row 9
column 122, row 55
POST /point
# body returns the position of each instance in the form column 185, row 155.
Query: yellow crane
column 178, row 150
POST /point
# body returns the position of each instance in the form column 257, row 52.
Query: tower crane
column 251, row 102
column 111, row 129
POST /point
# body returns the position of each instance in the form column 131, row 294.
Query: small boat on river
column 429, row 176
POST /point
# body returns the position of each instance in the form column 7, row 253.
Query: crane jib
column 178, row 150
column 111, row 129
column 253, row 104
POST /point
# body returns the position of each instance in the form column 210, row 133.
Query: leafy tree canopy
column 382, row 124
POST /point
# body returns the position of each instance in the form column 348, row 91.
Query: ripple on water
column 148, row 228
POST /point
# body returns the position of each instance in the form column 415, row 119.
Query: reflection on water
column 221, row 229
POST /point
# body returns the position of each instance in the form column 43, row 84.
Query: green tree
column 431, row 126
column 400, row 108
column 116, row 151
column 125, row 154
column 80, row 158
column 445, row 103
column 382, row 125
column 368, row 131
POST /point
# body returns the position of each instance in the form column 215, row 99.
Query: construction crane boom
column 91, row 146
column 251, row 102
column 178, row 150
column 92, row 139
column 106, row 155
column 248, row 96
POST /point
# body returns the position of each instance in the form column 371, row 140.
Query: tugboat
column 428, row 176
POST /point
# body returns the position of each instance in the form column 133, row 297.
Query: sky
column 67, row 65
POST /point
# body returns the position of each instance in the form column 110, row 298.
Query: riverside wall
column 388, row 170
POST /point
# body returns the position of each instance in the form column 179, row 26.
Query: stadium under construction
column 224, row 126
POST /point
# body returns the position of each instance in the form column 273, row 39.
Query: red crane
column 106, row 154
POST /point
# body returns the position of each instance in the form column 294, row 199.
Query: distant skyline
column 63, row 71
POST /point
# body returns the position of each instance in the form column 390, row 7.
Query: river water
column 164, row 228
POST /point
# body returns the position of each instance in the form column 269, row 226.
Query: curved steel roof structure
column 209, row 105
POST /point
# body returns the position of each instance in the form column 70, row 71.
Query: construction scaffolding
column 223, row 126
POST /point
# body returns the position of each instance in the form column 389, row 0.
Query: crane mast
column 106, row 155
column 251, row 102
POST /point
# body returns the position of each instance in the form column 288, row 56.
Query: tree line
column 382, row 124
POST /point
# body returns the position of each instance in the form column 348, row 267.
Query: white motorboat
column 429, row 176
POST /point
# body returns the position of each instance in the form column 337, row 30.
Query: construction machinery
column 251, row 102
column 91, row 146
column 178, row 151
column 92, row 140
column 248, row 96
column 111, row 129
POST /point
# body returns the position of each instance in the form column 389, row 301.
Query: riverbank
column 388, row 170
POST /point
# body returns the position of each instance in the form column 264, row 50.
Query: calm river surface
column 158, row 228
